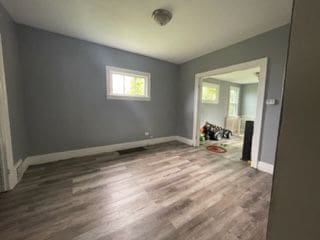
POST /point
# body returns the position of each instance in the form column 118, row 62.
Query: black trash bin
column 247, row 141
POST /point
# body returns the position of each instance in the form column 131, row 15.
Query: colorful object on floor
column 216, row 149
column 202, row 138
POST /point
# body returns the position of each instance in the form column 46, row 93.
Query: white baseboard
column 57, row 156
column 185, row 140
column 13, row 174
column 12, row 178
column 22, row 165
column 265, row 167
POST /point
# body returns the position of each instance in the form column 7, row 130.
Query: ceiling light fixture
column 162, row 16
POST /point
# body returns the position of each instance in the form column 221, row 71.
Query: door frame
column 9, row 175
column 256, row 142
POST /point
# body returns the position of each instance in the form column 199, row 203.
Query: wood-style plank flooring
column 169, row 191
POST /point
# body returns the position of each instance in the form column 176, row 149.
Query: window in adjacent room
column 125, row 84
column 234, row 98
column 210, row 93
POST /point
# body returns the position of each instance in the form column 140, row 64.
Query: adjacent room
column 227, row 112
column 139, row 119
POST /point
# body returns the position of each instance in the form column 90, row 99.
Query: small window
column 234, row 98
column 210, row 93
column 127, row 84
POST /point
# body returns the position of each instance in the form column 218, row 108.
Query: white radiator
column 233, row 124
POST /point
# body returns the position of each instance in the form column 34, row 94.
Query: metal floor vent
column 132, row 150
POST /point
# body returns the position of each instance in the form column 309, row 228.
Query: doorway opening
column 227, row 99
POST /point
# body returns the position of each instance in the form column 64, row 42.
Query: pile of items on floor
column 212, row 132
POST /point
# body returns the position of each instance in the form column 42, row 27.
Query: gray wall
column 14, row 84
column 64, row 90
column 248, row 100
column 216, row 113
column 273, row 45
column 295, row 208
column 65, row 94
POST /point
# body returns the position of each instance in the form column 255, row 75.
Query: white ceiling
column 241, row 77
column 197, row 27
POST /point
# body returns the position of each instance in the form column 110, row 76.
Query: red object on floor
column 216, row 149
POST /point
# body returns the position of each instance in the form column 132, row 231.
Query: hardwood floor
column 169, row 191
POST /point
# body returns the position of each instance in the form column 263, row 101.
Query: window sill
column 210, row 102
column 112, row 97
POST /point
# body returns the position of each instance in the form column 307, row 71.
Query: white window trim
column 147, row 76
column 238, row 103
column 217, row 86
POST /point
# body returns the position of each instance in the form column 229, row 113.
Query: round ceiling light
column 162, row 16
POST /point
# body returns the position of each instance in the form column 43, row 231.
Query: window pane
column 124, row 84
column 233, row 96
column 209, row 93
column 117, row 84
column 134, row 86
column 232, row 109
column 234, row 101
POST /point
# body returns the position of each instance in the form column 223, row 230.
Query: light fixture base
column 162, row 16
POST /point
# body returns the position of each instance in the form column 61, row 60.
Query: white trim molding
column 7, row 164
column 58, row 156
column 128, row 72
column 265, row 167
column 256, row 142
column 22, row 165
column 12, row 178
column 185, row 140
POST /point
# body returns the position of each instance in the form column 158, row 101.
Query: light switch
column 271, row 101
